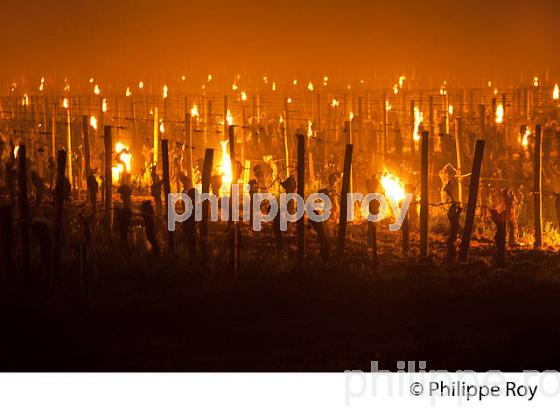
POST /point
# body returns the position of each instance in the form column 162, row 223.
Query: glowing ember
column 194, row 111
column 556, row 93
column 93, row 122
column 499, row 113
column 418, row 118
column 393, row 187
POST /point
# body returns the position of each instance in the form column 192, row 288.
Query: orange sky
column 126, row 39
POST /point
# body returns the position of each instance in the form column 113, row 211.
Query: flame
column 396, row 88
column 93, row 122
column 229, row 118
column 289, row 100
column 183, row 77
column 210, row 77
column 401, row 81
column 388, row 106
column 161, row 127
column 536, row 81
column 104, row 105
column 495, row 91
column 194, row 111
column 489, row 84
column 309, row 129
column 281, row 119
column 243, row 96
column 556, row 93
column 418, row 118
column 116, row 172
column 265, row 79
column 42, row 85
column 450, row 109
column 96, row 90
column 91, row 80
column 393, row 187
column 335, row 103
column 274, row 86
column 66, row 85
column 65, row 103
column 525, row 137
column 128, row 93
column 351, row 116
column 16, row 150
column 124, row 155
column 325, row 79
column 141, row 84
column 294, row 82
column 310, row 86
column 165, row 91
column 25, row 100
column 234, row 87
column 499, row 113
column 225, row 168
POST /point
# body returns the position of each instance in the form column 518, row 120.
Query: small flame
column 495, row 91
column 536, row 81
column 294, row 82
column 525, row 137
column 161, row 127
column 289, row 100
column 499, row 113
column 96, row 90
column 93, row 122
column 310, row 86
column 281, row 119
column 393, row 187
column 183, row 77
column 388, row 106
column 401, row 81
column 243, row 96
column 42, row 85
column 194, row 111
column 104, row 105
column 65, row 103
column 418, row 118
column 91, row 80
column 165, row 91
column 141, row 84
column 229, row 118
column 274, row 86
column 351, row 116
column 556, row 93
column 25, row 100
column 210, row 77
column 265, row 79
column 16, row 150
column 225, row 167
column 396, row 88
column 450, row 109
column 335, row 103
column 309, row 129
column 128, row 93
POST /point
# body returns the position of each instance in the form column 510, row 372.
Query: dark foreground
column 472, row 317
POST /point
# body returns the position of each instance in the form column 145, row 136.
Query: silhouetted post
column 424, row 194
column 473, row 197
column 233, row 224
column 412, row 121
column 87, row 153
column 343, row 200
column 301, row 192
column 188, row 143
column 458, row 137
column 108, row 182
column 167, row 190
column 206, row 176
column 537, row 187
column 482, row 124
column 385, row 125
column 24, row 213
column 58, row 213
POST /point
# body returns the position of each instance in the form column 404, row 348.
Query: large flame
column 556, row 93
column 124, row 162
column 393, row 187
column 225, row 168
column 499, row 113
column 418, row 119
column 93, row 122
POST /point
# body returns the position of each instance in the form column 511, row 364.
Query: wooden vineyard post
column 424, row 194
column 59, row 208
column 234, row 231
column 385, row 125
column 301, row 193
column 167, row 191
column 188, row 138
column 23, row 206
column 87, row 154
column 108, row 181
column 412, row 121
column 458, row 137
column 537, row 187
column 471, row 203
column 343, row 200
column 206, row 176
